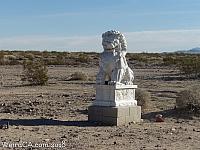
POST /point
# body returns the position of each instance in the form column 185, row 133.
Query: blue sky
column 77, row 25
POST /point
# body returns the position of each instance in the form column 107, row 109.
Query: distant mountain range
column 195, row 50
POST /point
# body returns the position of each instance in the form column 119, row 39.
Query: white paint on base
column 115, row 95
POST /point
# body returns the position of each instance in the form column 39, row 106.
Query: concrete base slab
column 116, row 116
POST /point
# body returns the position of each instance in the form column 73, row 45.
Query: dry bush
column 189, row 99
column 190, row 66
column 1, row 80
column 143, row 98
column 83, row 58
column 35, row 73
column 30, row 56
column 79, row 76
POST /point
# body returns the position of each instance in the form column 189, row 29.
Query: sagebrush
column 143, row 98
column 189, row 99
column 79, row 76
column 35, row 72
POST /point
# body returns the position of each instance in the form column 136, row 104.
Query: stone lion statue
column 113, row 65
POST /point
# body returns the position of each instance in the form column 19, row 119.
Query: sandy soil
column 56, row 114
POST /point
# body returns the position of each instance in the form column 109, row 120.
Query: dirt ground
column 55, row 115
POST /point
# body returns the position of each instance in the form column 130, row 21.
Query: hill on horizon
column 195, row 50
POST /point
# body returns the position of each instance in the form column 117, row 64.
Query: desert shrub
column 9, row 60
column 1, row 80
column 188, row 64
column 169, row 60
column 35, row 72
column 45, row 54
column 29, row 56
column 189, row 99
column 143, row 98
column 79, row 76
column 83, row 58
column 145, row 59
column 58, row 60
column 137, row 57
column 190, row 67
column 1, row 58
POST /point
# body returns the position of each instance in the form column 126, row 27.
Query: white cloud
column 150, row 41
column 166, row 40
column 83, row 43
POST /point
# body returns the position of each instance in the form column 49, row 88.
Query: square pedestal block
column 115, row 116
column 115, row 95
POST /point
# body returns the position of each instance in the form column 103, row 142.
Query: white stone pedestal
column 115, row 95
column 115, row 105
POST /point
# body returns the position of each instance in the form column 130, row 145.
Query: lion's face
column 111, row 40
column 114, row 40
column 110, row 43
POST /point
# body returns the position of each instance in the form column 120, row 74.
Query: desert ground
column 57, row 113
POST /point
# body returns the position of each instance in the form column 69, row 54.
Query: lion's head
column 113, row 40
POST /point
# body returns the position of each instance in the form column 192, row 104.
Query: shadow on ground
column 171, row 113
column 46, row 122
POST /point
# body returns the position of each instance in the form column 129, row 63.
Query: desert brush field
column 56, row 113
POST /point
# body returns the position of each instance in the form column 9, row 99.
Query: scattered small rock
column 173, row 129
column 41, row 95
column 68, row 102
column 46, row 140
column 35, row 129
column 65, row 95
column 28, row 110
column 3, row 104
column 36, row 103
column 7, row 110
column 1, row 126
column 196, row 130
column 179, row 121
column 64, row 137
column 134, row 122
column 4, row 126
column 16, row 103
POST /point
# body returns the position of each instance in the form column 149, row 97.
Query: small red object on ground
column 159, row 118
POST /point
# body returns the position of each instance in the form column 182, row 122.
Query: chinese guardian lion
column 113, row 65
